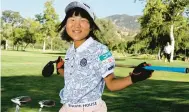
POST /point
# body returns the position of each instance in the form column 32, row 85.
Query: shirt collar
column 84, row 45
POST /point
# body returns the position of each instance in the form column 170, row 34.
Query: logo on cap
column 86, row 5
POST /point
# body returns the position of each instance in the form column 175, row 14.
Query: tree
column 11, row 17
column 174, row 18
column 9, row 20
column 6, row 33
column 50, row 20
column 18, row 35
column 32, row 29
column 39, row 17
column 107, row 34
column 152, row 26
column 162, row 19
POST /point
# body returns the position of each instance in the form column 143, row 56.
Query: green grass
column 21, row 75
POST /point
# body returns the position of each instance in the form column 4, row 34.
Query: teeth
column 75, row 31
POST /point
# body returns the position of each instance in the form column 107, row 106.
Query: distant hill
column 125, row 22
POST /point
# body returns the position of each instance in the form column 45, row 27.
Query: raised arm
column 138, row 74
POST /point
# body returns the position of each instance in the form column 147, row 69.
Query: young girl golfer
column 88, row 64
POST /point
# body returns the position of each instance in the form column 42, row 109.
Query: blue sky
column 102, row 8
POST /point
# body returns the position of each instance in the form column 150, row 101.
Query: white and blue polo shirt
column 84, row 71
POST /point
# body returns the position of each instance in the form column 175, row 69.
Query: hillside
column 125, row 22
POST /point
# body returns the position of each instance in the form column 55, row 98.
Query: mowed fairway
column 21, row 76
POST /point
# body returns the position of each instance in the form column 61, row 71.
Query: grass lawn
column 21, row 75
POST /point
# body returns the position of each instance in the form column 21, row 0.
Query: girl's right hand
column 59, row 64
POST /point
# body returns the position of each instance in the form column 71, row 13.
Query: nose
column 77, row 23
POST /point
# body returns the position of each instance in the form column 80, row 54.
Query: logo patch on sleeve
column 105, row 56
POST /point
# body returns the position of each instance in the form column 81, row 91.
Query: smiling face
column 77, row 27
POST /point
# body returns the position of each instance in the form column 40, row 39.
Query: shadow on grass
column 120, row 59
column 142, row 58
column 146, row 96
column 55, row 53
column 38, row 88
column 150, row 96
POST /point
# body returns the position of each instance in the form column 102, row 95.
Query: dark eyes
column 81, row 19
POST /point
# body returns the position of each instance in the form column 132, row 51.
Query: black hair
column 77, row 11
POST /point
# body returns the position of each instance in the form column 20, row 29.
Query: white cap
column 82, row 5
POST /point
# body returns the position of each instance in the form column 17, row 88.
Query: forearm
column 115, row 84
column 61, row 71
column 119, row 84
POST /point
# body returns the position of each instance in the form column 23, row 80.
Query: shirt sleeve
column 107, row 63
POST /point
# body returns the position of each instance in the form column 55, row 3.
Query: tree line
column 162, row 21
column 18, row 32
